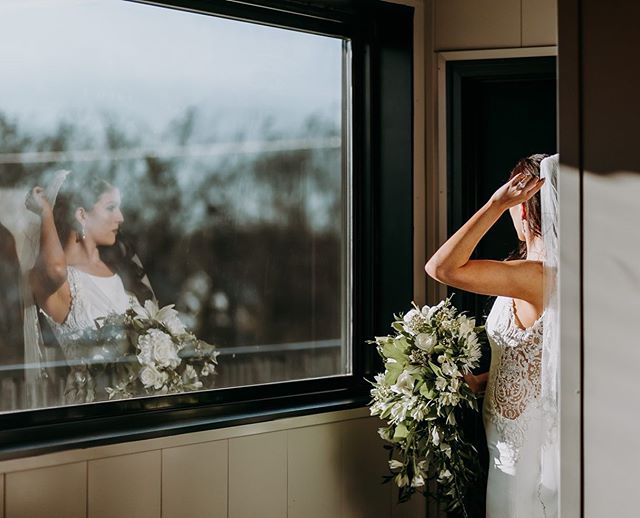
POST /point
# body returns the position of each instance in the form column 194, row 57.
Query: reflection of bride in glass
column 83, row 271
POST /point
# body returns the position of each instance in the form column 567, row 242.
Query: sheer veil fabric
column 550, row 453
column 25, row 227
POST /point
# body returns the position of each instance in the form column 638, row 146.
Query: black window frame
column 381, row 36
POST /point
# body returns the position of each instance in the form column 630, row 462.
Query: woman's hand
column 517, row 190
column 37, row 202
column 478, row 383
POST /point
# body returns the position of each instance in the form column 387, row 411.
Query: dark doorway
column 498, row 112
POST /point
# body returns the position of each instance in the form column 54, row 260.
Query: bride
column 82, row 271
column 520, row 409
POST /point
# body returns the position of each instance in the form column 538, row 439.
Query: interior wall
column 600, row 80
column 325, row 465
column 492, row 24
column 467, row 29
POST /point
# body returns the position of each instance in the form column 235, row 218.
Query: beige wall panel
column 258, row 476
column 539, row 22
column 314, row 473
column 125, row 486
column 365, row 463
column 611, row 354
column 1, row 495
column 194, row 480
column 125, row 448
column 477, row 24
column 47, row 492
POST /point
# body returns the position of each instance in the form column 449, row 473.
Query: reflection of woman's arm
column 49, row 273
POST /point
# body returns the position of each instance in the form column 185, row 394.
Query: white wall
column 599, row 113
column 325, row 466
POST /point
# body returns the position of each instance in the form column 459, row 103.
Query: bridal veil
column 24, row 225
column 550, row 452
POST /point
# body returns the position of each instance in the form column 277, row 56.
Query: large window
column 193, row 205
column 225, row 145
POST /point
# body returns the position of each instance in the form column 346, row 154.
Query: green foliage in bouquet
column 420, row 395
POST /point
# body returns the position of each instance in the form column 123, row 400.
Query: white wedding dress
column 513, row 415
column 92, row 298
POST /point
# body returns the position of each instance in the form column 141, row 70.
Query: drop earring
column 82, row 234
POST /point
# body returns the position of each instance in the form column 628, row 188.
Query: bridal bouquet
column 420, row 394
column 169, row 358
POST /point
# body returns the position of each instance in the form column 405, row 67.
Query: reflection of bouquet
column 419, row 395
column 169, row 358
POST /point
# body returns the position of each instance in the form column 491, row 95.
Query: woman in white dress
column 516, row 426
column 78, row 274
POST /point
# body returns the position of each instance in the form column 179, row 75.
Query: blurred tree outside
column 247, row 243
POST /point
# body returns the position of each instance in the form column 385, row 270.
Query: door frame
column 436, row 232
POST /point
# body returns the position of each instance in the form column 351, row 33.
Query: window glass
column 181, row 160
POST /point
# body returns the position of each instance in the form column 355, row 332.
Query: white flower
column 435, row 437
column 441, row 383
column 173, row 324
column 385, row 434
column 447, row 398
column 444, row 474
column 418, row 481
column 395, row 464
column 467, row 325
column 157, row 347
column 145, row 356
column 428, row 312
column 152, row 377
column 418, row 413
column 402, row 480
column 473, row 353
column 449, row 369
column 455, row 384
column 190, row 372
column 398, row 413
column 426, row 342
column 166, row 316
column 208, row 368
column 444, row 447
column 404, row 384
column 412, row 321
column 411, row 314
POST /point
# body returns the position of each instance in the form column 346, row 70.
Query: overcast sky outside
column 82, row 59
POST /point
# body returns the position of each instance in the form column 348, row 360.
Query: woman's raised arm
column 451, row 264
column 49, row 273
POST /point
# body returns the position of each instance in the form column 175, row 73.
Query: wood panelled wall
column 325, row 466
column 494, row 24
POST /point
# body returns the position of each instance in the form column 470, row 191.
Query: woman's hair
column 76, row 191
column 121, row 258
column 84, row 191
column 529, row 165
